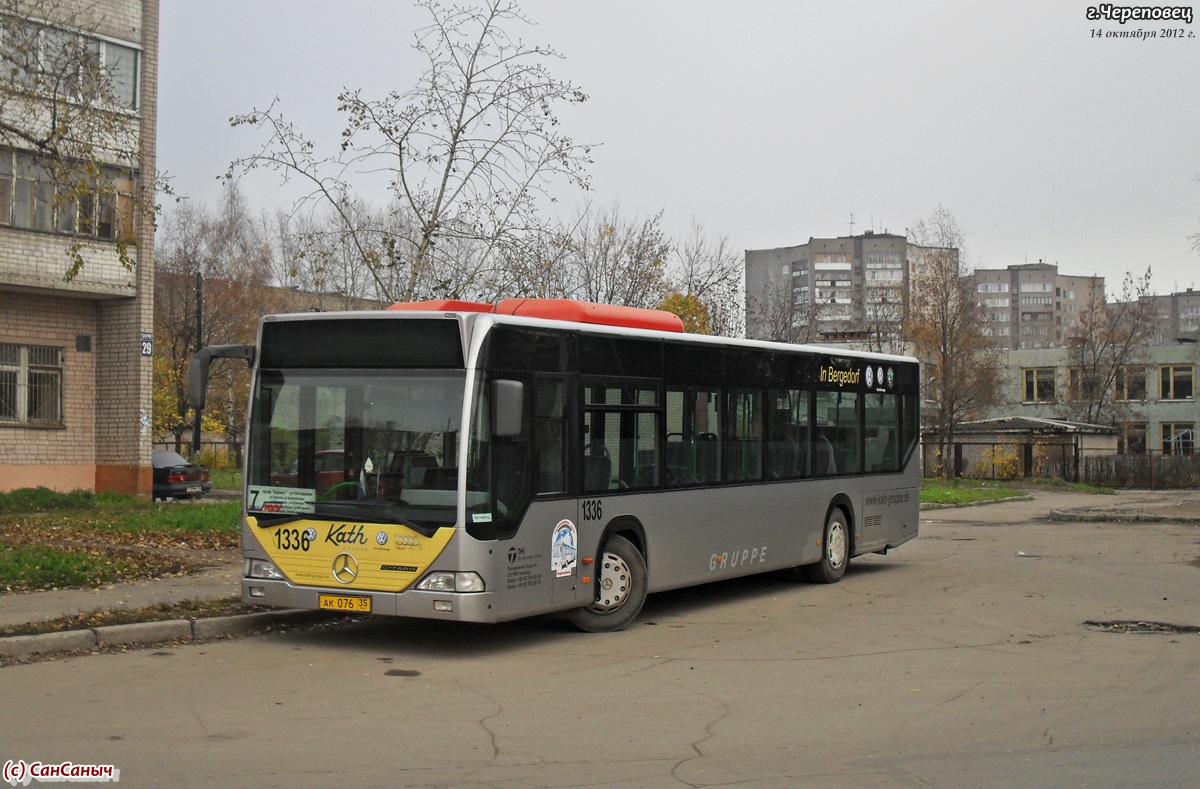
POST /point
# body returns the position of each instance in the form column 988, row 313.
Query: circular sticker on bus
column 870, row 378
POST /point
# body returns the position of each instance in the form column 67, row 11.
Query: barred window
column 1178, row 438
column 30, row 384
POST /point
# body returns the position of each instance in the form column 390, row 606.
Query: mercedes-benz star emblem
column 345, row 568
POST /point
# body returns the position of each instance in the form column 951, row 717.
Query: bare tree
column 215, row 263
column 708, row 272
column 469, row 152
column 1106, row 352
column 945, row 324
column 614, row 260
column 65, row 92
column 779, row 317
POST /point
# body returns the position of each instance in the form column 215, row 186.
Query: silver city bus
column 480, row 463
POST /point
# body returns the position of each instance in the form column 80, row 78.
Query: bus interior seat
column 823, row 461
column 597, row 467
column 675, row 455
column 784, row 457
column 707, row 460
column 597, row 472
column 875, row 449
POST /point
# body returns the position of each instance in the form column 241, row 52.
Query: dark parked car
column 176, row 478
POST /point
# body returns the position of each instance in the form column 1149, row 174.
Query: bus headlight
column 451, row 582
column 260, row 568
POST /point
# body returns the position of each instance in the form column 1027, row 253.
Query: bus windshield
column 361, row 445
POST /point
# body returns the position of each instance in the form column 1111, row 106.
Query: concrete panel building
column 76, row 363
column 1177, row 316
column 829, row 288
column 1032, row 305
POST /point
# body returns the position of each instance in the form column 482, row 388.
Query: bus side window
column 883, row 422
column 693, row 451
column 549, row 430
column 743, row 449
column 787, row 434
column 837, row 420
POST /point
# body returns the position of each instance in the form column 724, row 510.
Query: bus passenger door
column 550, row 450
column 565, row 566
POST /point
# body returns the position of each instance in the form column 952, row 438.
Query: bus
column 480, row 463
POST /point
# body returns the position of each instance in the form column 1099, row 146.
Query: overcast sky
column 773, row 122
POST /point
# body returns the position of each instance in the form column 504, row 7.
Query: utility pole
column 199, row 345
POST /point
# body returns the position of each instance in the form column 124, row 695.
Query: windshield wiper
column 350, row 512
column 272, row 519
column 374, row 513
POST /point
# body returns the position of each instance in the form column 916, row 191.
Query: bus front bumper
column 450, row 606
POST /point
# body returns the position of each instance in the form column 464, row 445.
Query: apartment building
column 829, row 287
column 1032, row 305
column 76, row 357
column 1176, row 316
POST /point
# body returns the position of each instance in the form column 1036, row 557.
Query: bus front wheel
column 835, row 551
column 620, row 589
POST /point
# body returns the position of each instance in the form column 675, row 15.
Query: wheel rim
column 836, row 544
column 614, row 583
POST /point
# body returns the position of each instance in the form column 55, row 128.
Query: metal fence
column 1061, row 459
column 1151, row 470
column 206, row 446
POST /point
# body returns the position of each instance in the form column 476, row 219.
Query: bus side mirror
column 508, row 398
column 198, row 372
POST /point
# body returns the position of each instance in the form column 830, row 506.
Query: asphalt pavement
column 221, row 580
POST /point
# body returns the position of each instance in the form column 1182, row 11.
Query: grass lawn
column 51, row 540
column 973, row 491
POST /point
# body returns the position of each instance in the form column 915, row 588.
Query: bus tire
column 621, row 583
column 835, row 550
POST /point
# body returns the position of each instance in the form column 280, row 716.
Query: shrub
column 998, row 462
column 216, row 459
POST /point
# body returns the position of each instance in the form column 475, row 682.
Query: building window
column 1038, row 385
column 1178, row 438
column 1132, row 438
column 1082, row 384
column 1130, row 383
column 1175, row 382
column 49, row 59
column 30, row 199
column 30, row 384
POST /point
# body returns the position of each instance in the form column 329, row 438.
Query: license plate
column 338, row 602
column 194, row 489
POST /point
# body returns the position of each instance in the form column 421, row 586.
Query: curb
column 1116, row 516
column 145, row 633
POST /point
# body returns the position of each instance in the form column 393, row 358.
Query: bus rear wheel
column 621, row 583
column 835, row 551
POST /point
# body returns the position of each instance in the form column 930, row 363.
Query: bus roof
column 557, row 313
column 558, row 310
